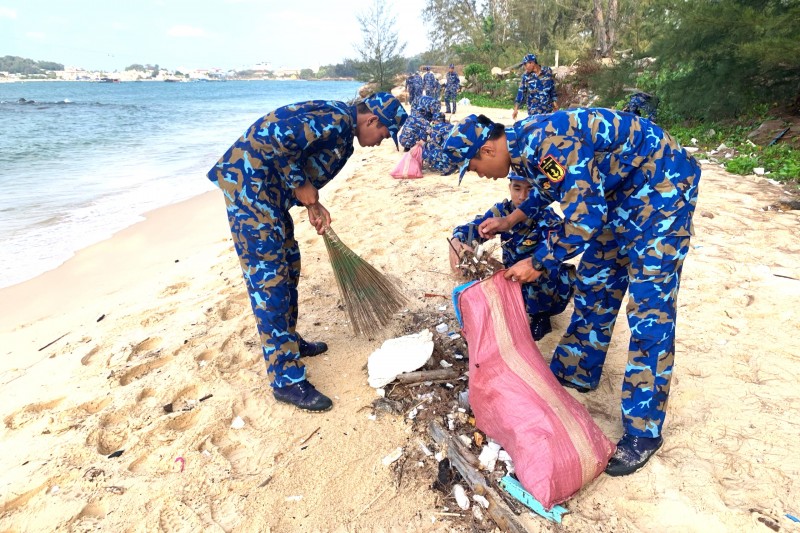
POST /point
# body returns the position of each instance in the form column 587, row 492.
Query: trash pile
column 435, row 394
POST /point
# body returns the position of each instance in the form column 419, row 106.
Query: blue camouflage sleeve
column 468, row 232
column 520, row 92
column 568, row 165
column 291, row 140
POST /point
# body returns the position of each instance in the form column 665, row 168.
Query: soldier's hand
column 307, row 194
column 319, row 217
column 523, row 272
column 492, row 226
column 514, row 115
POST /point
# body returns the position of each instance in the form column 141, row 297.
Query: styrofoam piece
column 398, row 355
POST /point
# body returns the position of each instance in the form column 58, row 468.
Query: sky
column 195, row 34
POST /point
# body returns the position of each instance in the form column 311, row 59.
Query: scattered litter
column 441, row 328
column 453, row 335
column 113, row 489
column 463, row 399
column 461, row 496
column 116, row 454
column 488, row 456
column 206, row 397
column 237, row 423
column 381, row 392
column 464, row 102
column 477, row 513
column 465, row 439
column 427, row 451
column 480, row 500
column 458, row 356
column 101, row 317
column 442, row 308
column 398, row 355
column 792, row 518
column 182, row 461
column 293, row 498
column 55, row 489
column 445, row 364
column 392, row 457
column 372, row 417
column 759, row 171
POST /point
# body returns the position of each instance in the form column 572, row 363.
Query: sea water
column 80, row 161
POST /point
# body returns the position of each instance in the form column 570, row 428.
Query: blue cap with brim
column 529, row 58
column 389, row 111
column 517, row 177
column 464, row 142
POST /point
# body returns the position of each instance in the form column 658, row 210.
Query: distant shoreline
column 203, row 80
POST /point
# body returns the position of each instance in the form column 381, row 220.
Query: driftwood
column 428, row 375
column 468, row 466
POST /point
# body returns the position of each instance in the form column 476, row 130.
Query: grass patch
column 483, row 100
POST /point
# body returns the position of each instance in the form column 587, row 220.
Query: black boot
column 632, row 454
column 310, row 349
column 303, row 395
column 540, row 326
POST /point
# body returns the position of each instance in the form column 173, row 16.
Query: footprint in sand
column 174, row 289
column 176, row 517
column 94, row 406
column 145, row 347
column 139, row 371
column 90, row 517
column 30, row 413
column 233, row 308
column 111, row 433
column 15, row 502
column 226, row 513
column 87, row 359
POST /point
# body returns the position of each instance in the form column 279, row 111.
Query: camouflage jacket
column 537, row 92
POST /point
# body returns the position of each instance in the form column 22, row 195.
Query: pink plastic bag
column 410, row 165
column 556, row 446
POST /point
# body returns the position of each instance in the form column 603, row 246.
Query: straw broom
column 370, row 298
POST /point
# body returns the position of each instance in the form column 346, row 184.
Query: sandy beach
column 158, row 315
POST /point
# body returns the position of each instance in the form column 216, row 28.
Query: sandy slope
column 177, row 327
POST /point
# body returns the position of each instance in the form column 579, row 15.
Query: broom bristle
column 370, row 298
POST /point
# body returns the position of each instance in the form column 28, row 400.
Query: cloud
column 7, row 13
column 36, row 35
column 186, row 31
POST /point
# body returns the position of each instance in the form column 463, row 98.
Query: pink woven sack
column 410, row 165
column 556, row 446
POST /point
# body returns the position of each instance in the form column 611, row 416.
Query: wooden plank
column 428, row 375
column 468, row 466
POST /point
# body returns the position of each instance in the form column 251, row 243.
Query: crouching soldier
column 548, row 295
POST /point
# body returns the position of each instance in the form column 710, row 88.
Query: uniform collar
column 354, row 116
column 513, row 148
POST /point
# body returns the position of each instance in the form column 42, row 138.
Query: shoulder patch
column 551, row 168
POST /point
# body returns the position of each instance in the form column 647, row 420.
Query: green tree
column 307, row 74
column 136, row 66
column 380, row 50
column 719, row 58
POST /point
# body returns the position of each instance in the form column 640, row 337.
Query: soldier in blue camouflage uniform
column 280, row 162
column 425, row 111
column 643, row 105
column 430, row 86
column 414, row 88
column 433, row 155
column 537, row 89
column 628, row 192
column 548, row 295
column 451, row 87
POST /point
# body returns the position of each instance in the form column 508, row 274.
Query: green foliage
column 307, row 74
column 719, row 58
column 380, row 50
column 21, row 65
column 741, row 164
column 136, row 66
column 483, row 100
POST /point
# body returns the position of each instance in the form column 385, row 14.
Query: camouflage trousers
column 270, row 261
column 450, row 96
column 649, row 268
column 550, row 294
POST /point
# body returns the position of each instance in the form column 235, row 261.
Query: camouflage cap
column 464, row 142
column 389, row 111
column 517, row 177
column 528, row 58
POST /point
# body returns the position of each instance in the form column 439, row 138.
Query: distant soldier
column 537, row 89
column 424, row 111
column 642, row 104
column 414, row 87
column 430, row 87
column 451, row 87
